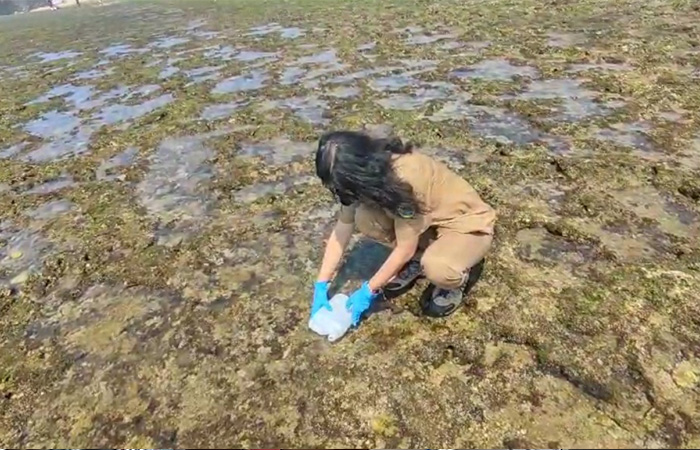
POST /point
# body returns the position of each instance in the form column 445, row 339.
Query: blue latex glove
column 360, row 301
column 320, row 297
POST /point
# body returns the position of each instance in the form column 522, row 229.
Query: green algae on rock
column 160, row 225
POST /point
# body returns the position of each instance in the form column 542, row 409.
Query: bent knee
column 441, row 272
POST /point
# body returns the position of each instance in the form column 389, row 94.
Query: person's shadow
column 362, row 261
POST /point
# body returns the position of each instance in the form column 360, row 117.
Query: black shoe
column 408, row 274
column 437, row 302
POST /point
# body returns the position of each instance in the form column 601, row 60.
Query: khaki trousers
column 447, row 255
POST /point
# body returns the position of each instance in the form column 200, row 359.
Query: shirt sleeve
column 347, row 213
column 407, row 229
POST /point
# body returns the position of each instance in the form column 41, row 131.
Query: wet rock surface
column 161, row 225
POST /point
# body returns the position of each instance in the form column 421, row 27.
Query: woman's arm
column 405, row 249
column 337, row 242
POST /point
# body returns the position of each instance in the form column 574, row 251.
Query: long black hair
column 358, row 168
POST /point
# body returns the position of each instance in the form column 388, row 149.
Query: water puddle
column 423, row 39
column 629, row 243
column 451, row 45
column 71, row 144
column 454, row 159
column 291, row 33
column 114, row 114
column 564, row 40
column 633, row 246
column 63, row 131
column 168, row 72
column 278, row 152
column 495, row 69
column 688, row 157
column 51, row 186
column 125, row 158
column 676, row 116
column 252, row 55
column 671, row 216
column 543, row 198
column 311, row 78
column 118, row 50
column 175, row 59
column 173, row 189
column 12, row 70
column 498, row 124
column 284, row 32
column 247, row 82
column 222, row 110
column 418, row 66
column 224, row 53
column 154, row 62
column 292, row 75
column 60, row 68
column 22, row 253
column 57, row 56
column 170, row 68
column 142, row 91
column 344, row 92
column 392, row 83
column 378, row 130
column 540, row 246
column 121, row 92
column 324, row 57
column 67, row 134
column 72, row 94
column 7, row 74
column 51, row 210
column 204, row 35
column 93, row 74
column 309, row 109
column 169, row 42
column 417, row 99
column 263, row 30
column 628, row 135
column 13, row 150
column 202, row 74
column 254, row 192
column 366, row 47
column 576, row 102
column 187, row 52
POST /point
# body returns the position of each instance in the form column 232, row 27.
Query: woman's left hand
column 360, row 301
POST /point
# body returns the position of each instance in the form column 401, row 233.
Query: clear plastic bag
column 334, row 323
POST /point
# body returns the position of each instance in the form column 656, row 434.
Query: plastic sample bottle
column 334, row 323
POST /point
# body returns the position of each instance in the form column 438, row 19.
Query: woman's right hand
column 320, row 297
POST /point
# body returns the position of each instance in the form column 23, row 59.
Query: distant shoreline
column 64, row 4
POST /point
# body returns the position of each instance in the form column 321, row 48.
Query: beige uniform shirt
column 449, row 201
